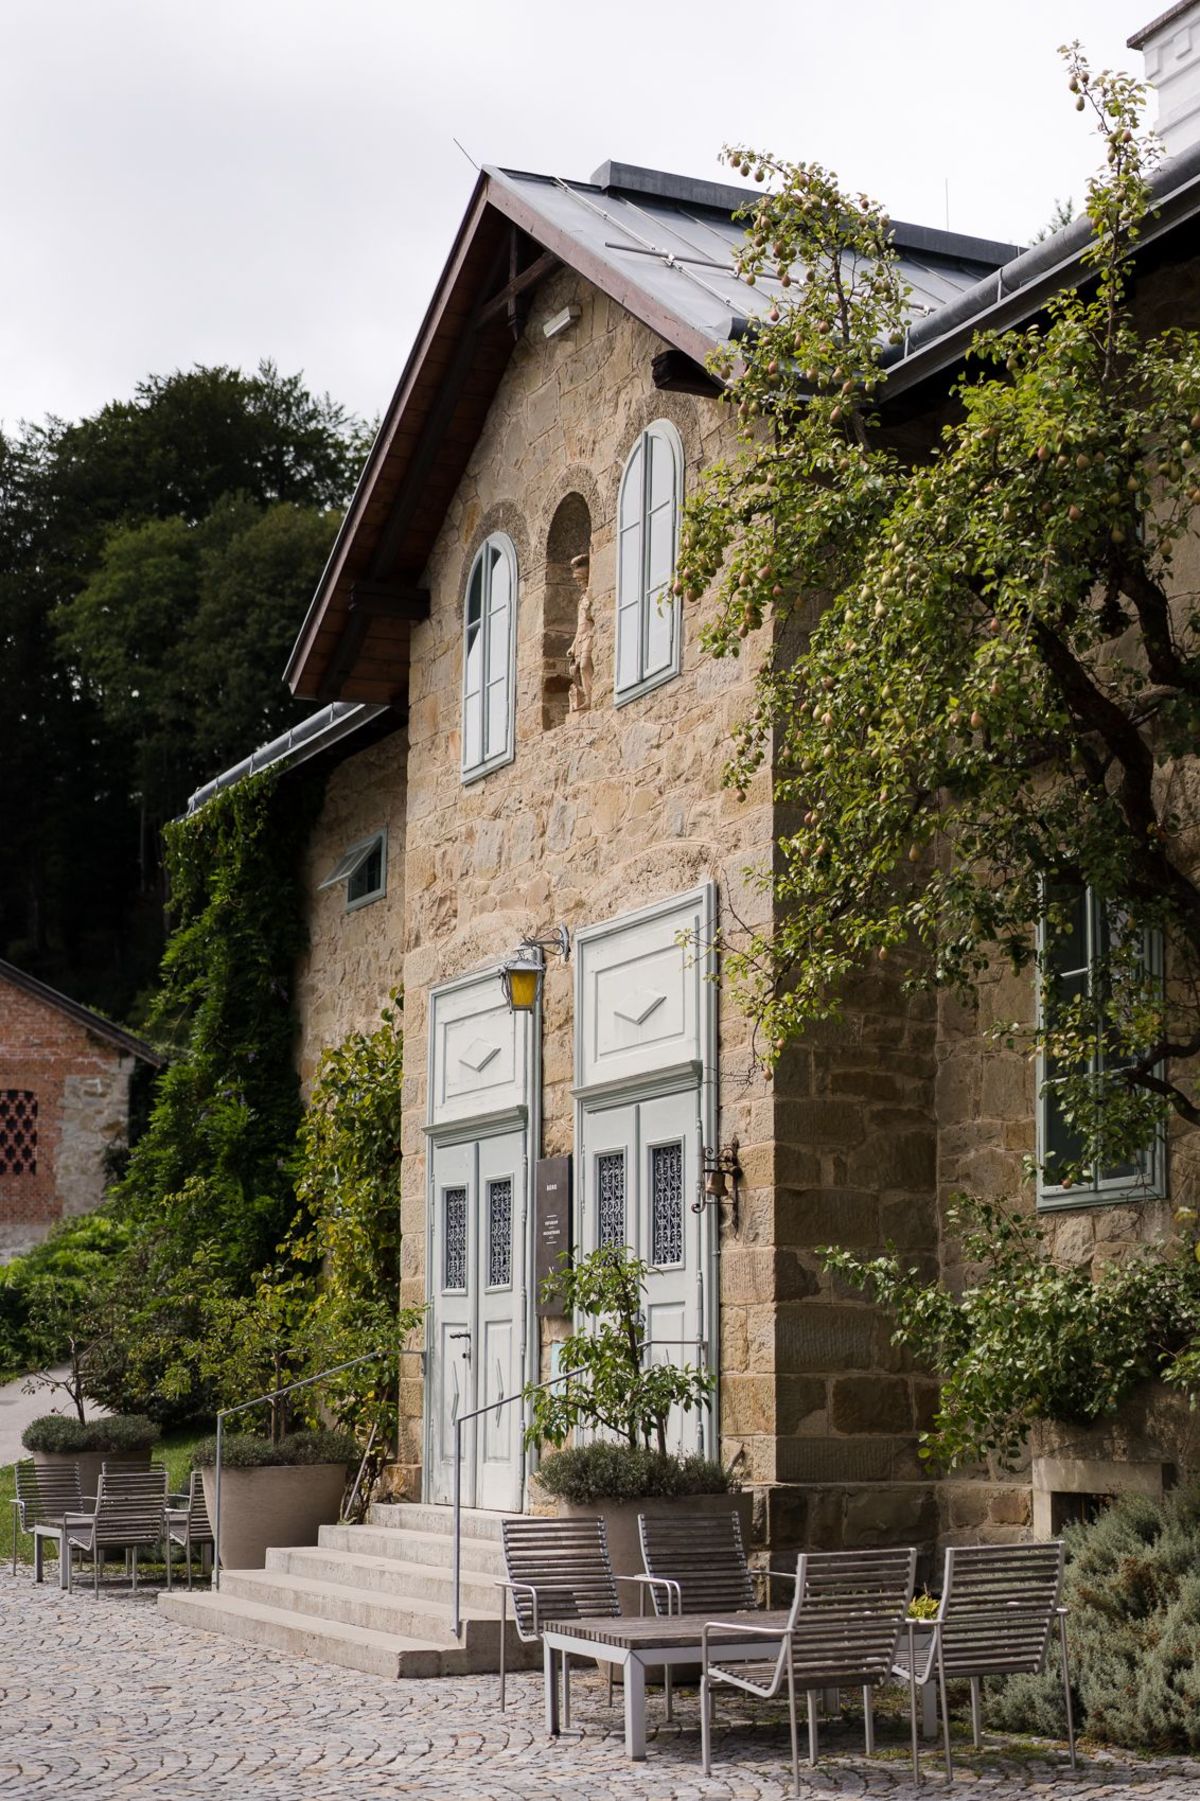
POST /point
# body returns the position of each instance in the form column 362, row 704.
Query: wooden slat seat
column 1000, row 1606
column 46, row 1493
column 188, row 1525
column 695, row 1564
column 555, row 1570
column 130, row 1514
column 842, row 1630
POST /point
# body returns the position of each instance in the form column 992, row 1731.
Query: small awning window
column 363, row 869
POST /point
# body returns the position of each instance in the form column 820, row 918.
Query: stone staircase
column 375, row 1597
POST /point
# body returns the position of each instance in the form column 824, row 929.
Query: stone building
column 522, row 735
column 65, row 1075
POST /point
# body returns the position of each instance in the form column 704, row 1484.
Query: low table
column 636, row 1645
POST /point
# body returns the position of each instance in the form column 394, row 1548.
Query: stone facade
column 863, row 1132
column 80, row 1084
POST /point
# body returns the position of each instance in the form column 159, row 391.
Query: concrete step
column 391, row 1614
column 410, row 1546
column 375, row 1597
column 416, row 1582
column 385, row 1654
column 422, row 1517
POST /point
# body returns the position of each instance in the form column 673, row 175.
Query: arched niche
column 570, row 536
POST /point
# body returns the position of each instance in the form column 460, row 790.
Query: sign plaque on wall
column 552, row 1223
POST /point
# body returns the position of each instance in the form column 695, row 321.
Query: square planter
column 276, row 1505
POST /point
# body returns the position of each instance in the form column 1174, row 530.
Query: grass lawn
column 175, row 1450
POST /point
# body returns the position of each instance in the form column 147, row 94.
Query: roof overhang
column 95, row 1023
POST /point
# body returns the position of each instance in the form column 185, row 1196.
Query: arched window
column 489, row 638
column 648, row 539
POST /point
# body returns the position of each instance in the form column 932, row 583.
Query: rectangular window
column 1073, row 959
column 363, row 868
column 18, row 1132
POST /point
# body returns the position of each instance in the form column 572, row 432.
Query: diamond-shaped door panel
column 643, row 995
column 479, row 1051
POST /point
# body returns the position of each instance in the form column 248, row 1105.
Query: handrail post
column 216, row 1575
column 456, row 1554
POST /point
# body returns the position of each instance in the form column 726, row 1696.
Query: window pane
column 1063, row 1145
column 660, row 563
column 628, row 647
column 610, row 1198
column 501, row 585
column 500, row 1196
column 632, row 498
column 473, row 677
column 660, row 632
column 368, row 877
column 454, row 1220
column 1067, row 949
column 473, row 731
column 497, row 717
column 662, row 471
column 666, row 1204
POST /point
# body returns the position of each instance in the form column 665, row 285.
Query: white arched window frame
column 489, row 646
column 648, row 614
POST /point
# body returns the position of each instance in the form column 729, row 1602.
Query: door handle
column 460, row 1335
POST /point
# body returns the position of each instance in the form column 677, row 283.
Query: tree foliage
column 984, row 673
column 619, row 1389
column 1025, row 1339
column 142, row 641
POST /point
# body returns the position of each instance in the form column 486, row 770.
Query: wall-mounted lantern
column 521, row 973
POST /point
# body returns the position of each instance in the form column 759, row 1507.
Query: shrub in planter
column 116, row 1438
column 274, row 1494
column 1132, row 1589
column 605, row 1471
column 245, row 1451
column 113, row 1434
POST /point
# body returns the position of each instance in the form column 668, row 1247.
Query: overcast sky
column 201, row 181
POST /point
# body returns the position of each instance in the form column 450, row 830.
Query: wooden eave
column 350, row 652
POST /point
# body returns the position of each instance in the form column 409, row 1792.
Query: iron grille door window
column 18, row 1132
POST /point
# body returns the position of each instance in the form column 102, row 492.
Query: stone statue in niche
column 580, row 666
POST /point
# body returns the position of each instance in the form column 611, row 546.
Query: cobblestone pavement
column 108, row 1700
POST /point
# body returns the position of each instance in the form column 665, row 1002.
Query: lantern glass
column 522, row 985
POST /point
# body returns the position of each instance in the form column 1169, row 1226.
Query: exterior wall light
column 521, row 973
column 721, row 1168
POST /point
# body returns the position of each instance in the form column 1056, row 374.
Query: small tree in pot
column 618, row 1391
column 626, row 1400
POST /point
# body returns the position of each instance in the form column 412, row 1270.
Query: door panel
column 476, row 1256
column 501, row 1186
column 640, row 1171
column 451, row 1386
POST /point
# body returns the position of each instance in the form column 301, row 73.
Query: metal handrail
column 276, row 1394
column 657, row 1344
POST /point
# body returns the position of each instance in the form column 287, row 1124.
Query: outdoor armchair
column 187, row 1525
column 554, row 1570
column 130, row 1515
column 695, row 1564
column 45, row 1494
column 1000, row 1608
column 842, row 1630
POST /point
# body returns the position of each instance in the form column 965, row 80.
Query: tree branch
column 1154, row 617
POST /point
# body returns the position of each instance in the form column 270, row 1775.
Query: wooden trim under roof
column 349, row 649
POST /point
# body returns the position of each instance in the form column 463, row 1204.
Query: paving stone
column 111, row 1700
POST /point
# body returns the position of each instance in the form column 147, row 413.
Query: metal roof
column 677, row 241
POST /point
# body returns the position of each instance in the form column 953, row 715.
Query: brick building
column 64, row 1102
column 523, row 734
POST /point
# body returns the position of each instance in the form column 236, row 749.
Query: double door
column 477, row 1249
column 639, row 1177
